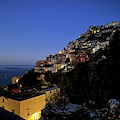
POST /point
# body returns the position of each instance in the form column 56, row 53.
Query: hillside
column 93, row 74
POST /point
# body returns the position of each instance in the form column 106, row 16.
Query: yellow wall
column 10, row 104
column 35, row 104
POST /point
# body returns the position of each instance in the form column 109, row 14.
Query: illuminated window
column 28, row 111
column 98, row 30
column 113, row 24
column 17, row 80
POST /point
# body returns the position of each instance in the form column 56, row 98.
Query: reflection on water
column 8, row 72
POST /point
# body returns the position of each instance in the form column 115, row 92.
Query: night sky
column 30, row 30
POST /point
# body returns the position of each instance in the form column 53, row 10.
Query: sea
column 7, row 72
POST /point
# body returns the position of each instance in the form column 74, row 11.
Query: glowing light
column 113, row 23
column 17, row 80
column 98, row 30
column 35, row 116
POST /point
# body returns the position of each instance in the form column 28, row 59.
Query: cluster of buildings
column 80, row 50
column 61, row 61
column 27, row 103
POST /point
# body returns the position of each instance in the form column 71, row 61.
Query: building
column 27, row 107
column 115, row 23
column 51, row 58
column 63, row 59
column 59, row 66
column 82, row 57
column 95, row 49
column 95, row 29
column 42, row 63
column 28, row 104
column 44, row 69
column 51, row 93
column 104, row 44
column 43, row 66
column 67, row 68
column 105, row 30
column 71, row 56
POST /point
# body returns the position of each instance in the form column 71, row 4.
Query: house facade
column 29, row 109
column 43, row 66
column 82, row 57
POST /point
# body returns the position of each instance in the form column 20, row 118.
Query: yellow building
column 29, row 109
column 29, row 104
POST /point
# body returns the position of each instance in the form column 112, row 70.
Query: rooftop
column 52, row 88
column 22, row 96
column 27, row 94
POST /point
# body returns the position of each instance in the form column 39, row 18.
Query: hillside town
column 81, row 50
column 34, row 97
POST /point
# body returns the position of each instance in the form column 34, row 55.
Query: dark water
column 7, row 72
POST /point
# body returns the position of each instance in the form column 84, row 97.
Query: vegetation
column 29, row 80
column 98, row 84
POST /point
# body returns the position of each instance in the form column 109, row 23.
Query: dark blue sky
column 30, row 30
